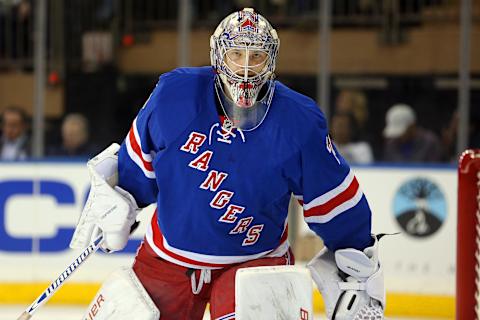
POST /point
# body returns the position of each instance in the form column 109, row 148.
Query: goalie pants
column 169, row 286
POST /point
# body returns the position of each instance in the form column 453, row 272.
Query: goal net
column 468, row 236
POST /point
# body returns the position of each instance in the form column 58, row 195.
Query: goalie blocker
column 351, row 283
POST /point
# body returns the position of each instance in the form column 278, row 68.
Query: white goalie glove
column 351, row 283
column 109, row 209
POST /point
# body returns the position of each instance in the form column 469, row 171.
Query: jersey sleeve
column 137, row 152
column 334, row 205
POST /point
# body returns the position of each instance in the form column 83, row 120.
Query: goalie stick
column 57, row 283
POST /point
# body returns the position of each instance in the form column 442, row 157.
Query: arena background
column 102, row 58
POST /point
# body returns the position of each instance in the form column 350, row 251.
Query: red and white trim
column 188, row 259
column 329, row 205
column 229, row 316
column 134, row 149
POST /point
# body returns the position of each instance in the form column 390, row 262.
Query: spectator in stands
column 344, row 131
column 15, row 141
column 406, row 141
column 75, row 134
column 355, row 102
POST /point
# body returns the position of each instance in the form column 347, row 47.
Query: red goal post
column 468, row 236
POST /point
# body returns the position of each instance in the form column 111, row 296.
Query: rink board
column 40, row 204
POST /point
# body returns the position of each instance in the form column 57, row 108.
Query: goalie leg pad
column 122, row 297
column 273, row 292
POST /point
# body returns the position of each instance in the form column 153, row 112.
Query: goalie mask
column 243, row 51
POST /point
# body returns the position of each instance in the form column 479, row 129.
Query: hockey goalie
column 219, row 150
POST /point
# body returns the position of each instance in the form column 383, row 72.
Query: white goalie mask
column 243, row 50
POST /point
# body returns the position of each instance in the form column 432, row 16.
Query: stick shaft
column 57, row 283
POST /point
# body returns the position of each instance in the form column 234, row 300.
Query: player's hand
column 117, row 224
column 109, row 210
column 351, row 283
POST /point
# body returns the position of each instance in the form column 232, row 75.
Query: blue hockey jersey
column 222, row 196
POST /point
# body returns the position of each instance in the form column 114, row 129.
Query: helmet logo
column 248, row 25
column 248, row 21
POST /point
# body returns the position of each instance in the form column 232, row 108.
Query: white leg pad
column 122, row 297
column 273, row 292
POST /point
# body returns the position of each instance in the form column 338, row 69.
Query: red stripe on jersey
column 138, row 150
column 158, row 240
column 331, row 204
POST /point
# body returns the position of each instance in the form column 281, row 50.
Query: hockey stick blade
column 57, row 283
